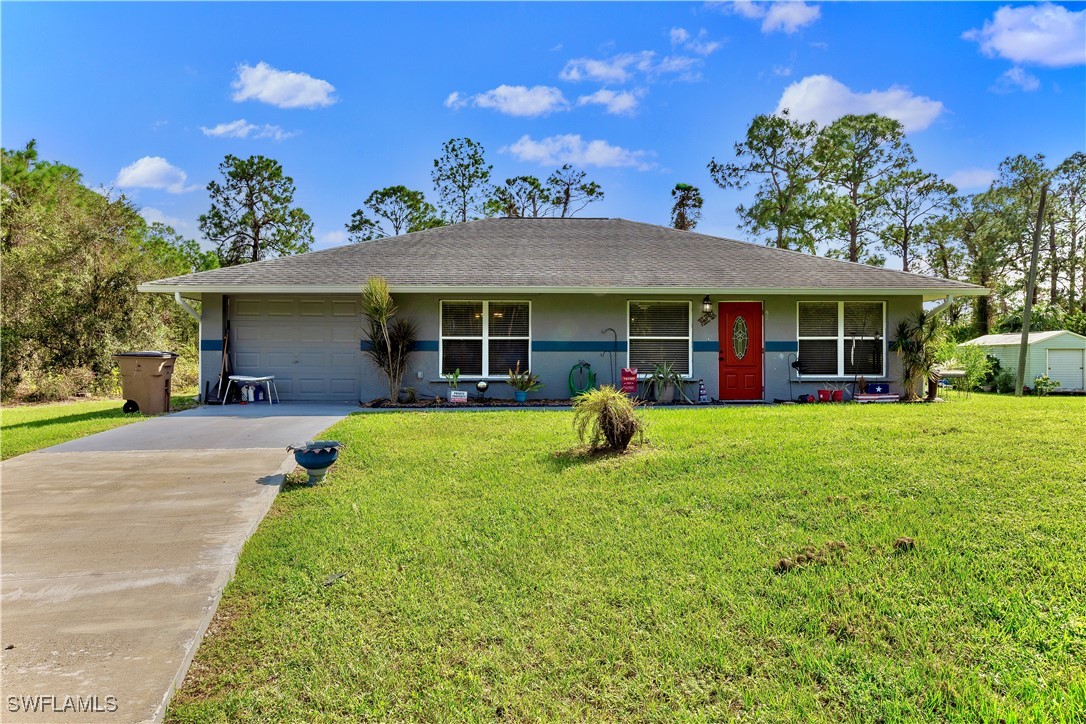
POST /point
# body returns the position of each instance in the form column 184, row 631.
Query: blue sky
column 148, row 98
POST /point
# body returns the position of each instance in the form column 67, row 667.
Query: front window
column 842, row 339
column 485, row 339
column 659, row 333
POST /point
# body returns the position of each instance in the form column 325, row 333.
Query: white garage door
column 311, row 345
column 1066, row 365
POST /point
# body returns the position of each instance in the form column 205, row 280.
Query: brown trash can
column 145, row 380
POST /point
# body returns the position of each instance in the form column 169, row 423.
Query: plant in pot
column 523, row 383
column 665, row 381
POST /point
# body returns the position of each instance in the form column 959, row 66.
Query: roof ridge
column 779, row 249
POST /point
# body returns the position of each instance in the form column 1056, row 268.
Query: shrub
column 607, row 418
column 1044, row 384
column 1004, row 381
column 969, row 358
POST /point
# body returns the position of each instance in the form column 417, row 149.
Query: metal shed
column 1059, row 354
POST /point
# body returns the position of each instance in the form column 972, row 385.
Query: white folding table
column 243, row 380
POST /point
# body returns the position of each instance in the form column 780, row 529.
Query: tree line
column 851, row 189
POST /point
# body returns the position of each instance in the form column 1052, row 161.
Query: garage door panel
column 244, row 332
column 247, row 360
column 344, row 386
column 247, row 308
column 314, row 333
column 281, row 308
column 344, row 360
column 313, row 353
column 312, row 385
column 279, row 359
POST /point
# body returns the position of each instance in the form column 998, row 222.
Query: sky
column 147, row 98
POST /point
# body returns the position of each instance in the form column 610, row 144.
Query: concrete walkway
column 116, row 548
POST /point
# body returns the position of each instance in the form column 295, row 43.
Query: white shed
column 1059, row 354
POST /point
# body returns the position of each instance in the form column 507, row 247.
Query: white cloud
column 616, row 69
column 155, row 216
column 1044, row 34
column 455, row 101
column 514, row 100
column 699, row 44
column 331, row 238
column 972, row 178
column 1016, row 79
column 615, row 102
column 782, row 70
column 748, row 9
column 243, row 129
column 787, row 16
column 571, row 148
column 823, row 99
column 154, row 172
column 282, row 88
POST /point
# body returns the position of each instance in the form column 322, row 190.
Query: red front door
column 740, row 350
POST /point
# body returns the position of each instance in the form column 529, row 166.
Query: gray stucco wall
column 570, row 328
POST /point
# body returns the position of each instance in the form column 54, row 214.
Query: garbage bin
column 145, row 380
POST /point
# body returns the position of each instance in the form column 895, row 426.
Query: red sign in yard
column 629, row 380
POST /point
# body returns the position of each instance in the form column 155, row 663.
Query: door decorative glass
column 740, row 337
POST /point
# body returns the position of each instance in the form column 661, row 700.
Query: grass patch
column 935, row 571
column 25, row 428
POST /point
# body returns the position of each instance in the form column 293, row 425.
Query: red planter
column 838, row 395
column 825, row 395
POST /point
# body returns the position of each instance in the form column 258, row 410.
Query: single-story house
column 1059, row 354
column 549, row 293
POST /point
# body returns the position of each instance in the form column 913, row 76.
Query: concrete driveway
column 116, row 548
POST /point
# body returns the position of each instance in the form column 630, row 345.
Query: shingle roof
column 998, row 340
column 558, row 254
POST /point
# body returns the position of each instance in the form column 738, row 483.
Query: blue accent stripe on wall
column 574, row 345
column 781, row 346
column 211, row 345
column 422, row 345
column 706, row 346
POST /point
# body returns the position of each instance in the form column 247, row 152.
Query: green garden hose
column 590, row 379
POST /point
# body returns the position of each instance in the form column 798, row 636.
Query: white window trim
column 841, row 339
column 485, row 339
column 689, row 334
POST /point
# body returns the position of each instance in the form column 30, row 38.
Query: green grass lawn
column 493, row 572
column 25, row 428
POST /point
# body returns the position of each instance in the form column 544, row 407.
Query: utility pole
column 1024, row 346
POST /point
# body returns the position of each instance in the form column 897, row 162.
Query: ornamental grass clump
column 606, row 418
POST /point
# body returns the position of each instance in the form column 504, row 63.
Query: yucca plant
column 916, row 344
column 390, row 340
column 605, row 417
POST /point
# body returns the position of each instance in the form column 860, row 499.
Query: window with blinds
column 659, row 333
column 842, row 339
column 485, row 339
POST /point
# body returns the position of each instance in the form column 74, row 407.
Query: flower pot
column 838, row 396
column 520, row 395
column 825, row 395
column 316, row 457
column 665, row 393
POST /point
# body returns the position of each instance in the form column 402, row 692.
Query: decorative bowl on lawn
column 316, row 456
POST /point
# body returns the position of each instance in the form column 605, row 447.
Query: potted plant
column 523, row 383
column 665, row 381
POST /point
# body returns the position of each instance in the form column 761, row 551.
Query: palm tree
column 916, row 341
column 390, row 340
